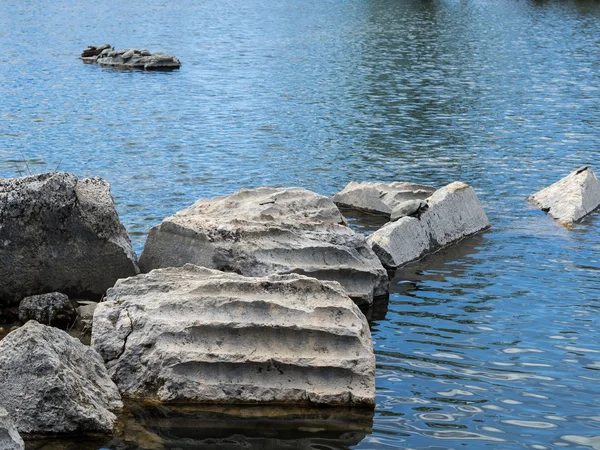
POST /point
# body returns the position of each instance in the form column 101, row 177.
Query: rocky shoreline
column 250, row 298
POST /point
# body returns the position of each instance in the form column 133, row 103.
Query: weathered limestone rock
column 196, row 334
column 9, row 436
column 571, row 198
column 60, row 234
column 54, row 309
column 264, row 231
column 453, row 213
column 85, row 313
column 380, row 198
column 52, row 383
column 129, row 59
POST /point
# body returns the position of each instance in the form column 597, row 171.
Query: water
column 492, row 343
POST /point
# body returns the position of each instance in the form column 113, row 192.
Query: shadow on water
column 157, row 427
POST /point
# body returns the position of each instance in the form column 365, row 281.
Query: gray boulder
column 453, row 212
column 412, row 208
column 52, row 383
column 263, row 231
column 9, row 436
column 380, row 198
column 60, row 234
column 571, row 198
column 54, row 309
column 196, row 334
column 129, row 59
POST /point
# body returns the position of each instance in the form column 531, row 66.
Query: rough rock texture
column 409, row 208
column 265, row 231
column 571, row 198
column 9, row 436
column 85, row 313
column 129, row 59
column 52, row 383
column 54, row 309
column 380, row 198
column 454, row 212
column 196, row 334
column 60, row 234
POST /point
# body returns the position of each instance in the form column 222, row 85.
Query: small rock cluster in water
column 105, row 55
column 271, row 279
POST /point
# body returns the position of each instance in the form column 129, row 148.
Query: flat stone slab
column 453, row 212
column 107, row 56
column 264, row 231
column 9, row 436
column 60, row 234
column 380, row 198
column 196, row 334
column 571, row 198
column 51, row 383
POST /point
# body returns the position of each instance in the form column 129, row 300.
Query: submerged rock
column 196, row 334
column 60, row 234
column 54, row 309
column 52, row 383
column 129, row 59
column 453, row 213
column 264, row 231
column 9, row 436
column 571, row 198
column 380, row 198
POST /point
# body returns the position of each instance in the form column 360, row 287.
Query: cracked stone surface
column 132, row 58
column 58, row 233
column 571, row 198
column 380, row 198
column 51, row 383
column 201, row 335
column 257, row 232
column 9, row 436
column 453, row 212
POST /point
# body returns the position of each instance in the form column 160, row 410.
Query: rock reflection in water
column 159, row 427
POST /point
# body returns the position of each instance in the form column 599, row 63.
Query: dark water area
column 493, row 343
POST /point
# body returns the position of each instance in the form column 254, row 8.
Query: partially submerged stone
column 54, row 309
column 9, row 436
column 380, row 198
column 453, row 213
column 51, row 383
column 201, row 335
column 61, row 234
column 571, row 198
column 129, row 59
column 263, row 231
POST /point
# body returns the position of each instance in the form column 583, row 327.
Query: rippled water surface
column 491, row 343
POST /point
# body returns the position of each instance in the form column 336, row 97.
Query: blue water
column 492, row 343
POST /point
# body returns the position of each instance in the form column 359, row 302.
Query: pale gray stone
column 380, row 198
column 130, row 59
column 51, row 383
column 196, row 334
column 453, row 213
column 61, row 234
column 54, row 309
column 9, row 436
column 263, row 231
column 571, row 198
column 409, row 208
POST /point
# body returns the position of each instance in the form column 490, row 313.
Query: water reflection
column 155, row 427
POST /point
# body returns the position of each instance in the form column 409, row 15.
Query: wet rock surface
column 380, row 198
column 61, row 234
column 264, row 231
column 571, row 198
column 195, row 334
column 54, row 309
column 453, row 212
column 52, row 383
column 9, row 436
column 104, row 55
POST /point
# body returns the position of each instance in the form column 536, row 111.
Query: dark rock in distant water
column 129, row 59
column 58, row 233
column 53, row 309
